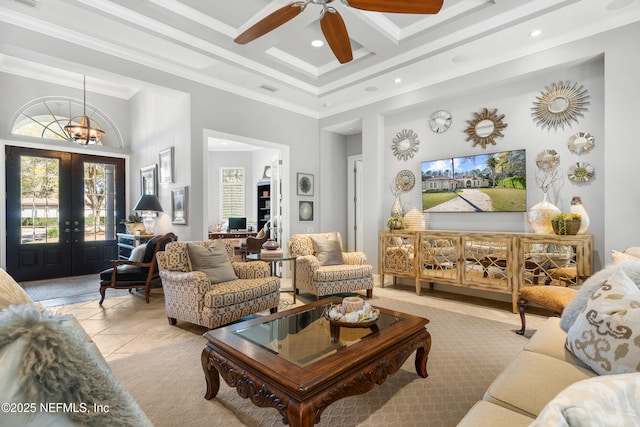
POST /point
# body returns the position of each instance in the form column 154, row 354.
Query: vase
column 539, row 216
column 132, row 227
column 396, row 208
column 271, row 245
column 578, row 208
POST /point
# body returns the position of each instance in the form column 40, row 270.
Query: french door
column 62, row 212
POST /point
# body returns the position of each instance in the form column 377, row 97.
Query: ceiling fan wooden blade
column 270, row 22
column 335, row 32
column 399, row 6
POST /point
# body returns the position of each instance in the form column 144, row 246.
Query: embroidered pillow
column 328, row 251
column 213, row 261
column 606, row 334
column 607, row 401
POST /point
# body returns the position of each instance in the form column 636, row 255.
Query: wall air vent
column 269, row 88
column 32, row 3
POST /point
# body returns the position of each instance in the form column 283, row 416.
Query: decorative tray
column 363, row 318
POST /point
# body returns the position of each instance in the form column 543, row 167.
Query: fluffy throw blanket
column 57, row 367
column 630, row 267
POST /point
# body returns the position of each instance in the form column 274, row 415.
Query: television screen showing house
column 494, row 182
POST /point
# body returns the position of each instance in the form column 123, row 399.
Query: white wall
column 161, row 121
column 605, row 64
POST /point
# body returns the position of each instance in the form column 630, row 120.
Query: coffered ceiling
column 393, row 53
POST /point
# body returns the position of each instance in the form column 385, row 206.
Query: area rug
column 467, row 354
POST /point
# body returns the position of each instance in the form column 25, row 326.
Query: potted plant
column 133, row 223
column 566, row 224
column 396, row 222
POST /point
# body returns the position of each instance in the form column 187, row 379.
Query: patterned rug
column 467, row 354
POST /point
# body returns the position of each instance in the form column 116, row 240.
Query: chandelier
column 82, row 129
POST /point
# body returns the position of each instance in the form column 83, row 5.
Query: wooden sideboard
column 496, row 262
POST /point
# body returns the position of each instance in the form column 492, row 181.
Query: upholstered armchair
column 191, row 296
column 325, row 272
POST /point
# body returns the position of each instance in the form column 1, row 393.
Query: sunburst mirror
column 560, row 104
column 405, row 144
column 485, row 127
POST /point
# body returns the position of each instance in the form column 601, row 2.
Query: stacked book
column 277, row 253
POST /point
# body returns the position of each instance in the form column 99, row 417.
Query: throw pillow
column 150, row 249
column 606, row 335
column 45, row 359
column 606, row 401
column 617, row 256
column 10, row 292
column 630, row 267
column 633, row 251
column 213, row 261
column 137, row 254
column 328, row 251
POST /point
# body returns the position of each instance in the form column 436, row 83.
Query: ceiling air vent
column 32, row 3
column 269, row 88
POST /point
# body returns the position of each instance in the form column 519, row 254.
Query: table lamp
column 148, row 203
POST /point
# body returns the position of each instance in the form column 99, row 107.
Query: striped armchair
column 353, row 275
column 191, row 297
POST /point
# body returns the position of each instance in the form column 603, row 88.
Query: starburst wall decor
column 560, row 104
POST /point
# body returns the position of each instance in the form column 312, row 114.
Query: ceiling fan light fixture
column 331, row 23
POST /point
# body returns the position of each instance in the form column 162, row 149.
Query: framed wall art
column 305, row 211
column 166, row 166
column 179, row 204
column 149, row 180
column 305, row 184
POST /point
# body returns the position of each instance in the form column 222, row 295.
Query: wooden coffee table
column 290, row 362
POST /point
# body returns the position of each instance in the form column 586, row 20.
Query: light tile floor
column 126, row 325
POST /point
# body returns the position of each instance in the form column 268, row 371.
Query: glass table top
column 305, row 337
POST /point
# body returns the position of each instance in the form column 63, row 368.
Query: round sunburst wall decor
column 560, row 104
column 485, row 127
column 405, row 144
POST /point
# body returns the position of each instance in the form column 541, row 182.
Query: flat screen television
column 493, row 182
column 237, row 223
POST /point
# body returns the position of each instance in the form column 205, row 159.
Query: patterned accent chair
column 323, row 280
column 191, row 297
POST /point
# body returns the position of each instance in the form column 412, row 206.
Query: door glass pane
column 99, row 201
column 39, row 199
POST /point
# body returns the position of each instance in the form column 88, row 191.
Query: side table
column 272, row 260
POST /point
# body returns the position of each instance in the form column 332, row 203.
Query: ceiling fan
column 331, row 23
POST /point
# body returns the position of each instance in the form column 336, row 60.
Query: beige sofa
column 190, row 296
column 51, row 372
column 594, row 384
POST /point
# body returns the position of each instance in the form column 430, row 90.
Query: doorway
column 61, row 212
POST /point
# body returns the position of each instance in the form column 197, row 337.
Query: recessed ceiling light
column 317, row 43
column 535, row 33
column 460, row 58
column 397, row 80
column 618, row 4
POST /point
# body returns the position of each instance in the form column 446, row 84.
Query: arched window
column 46, row 118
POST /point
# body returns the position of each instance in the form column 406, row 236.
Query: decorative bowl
column 363, row 318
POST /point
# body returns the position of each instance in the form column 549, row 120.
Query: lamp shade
column 148, row 202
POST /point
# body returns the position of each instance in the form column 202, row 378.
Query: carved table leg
column 300, row 414
column 211, row 376
column 422, row 354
